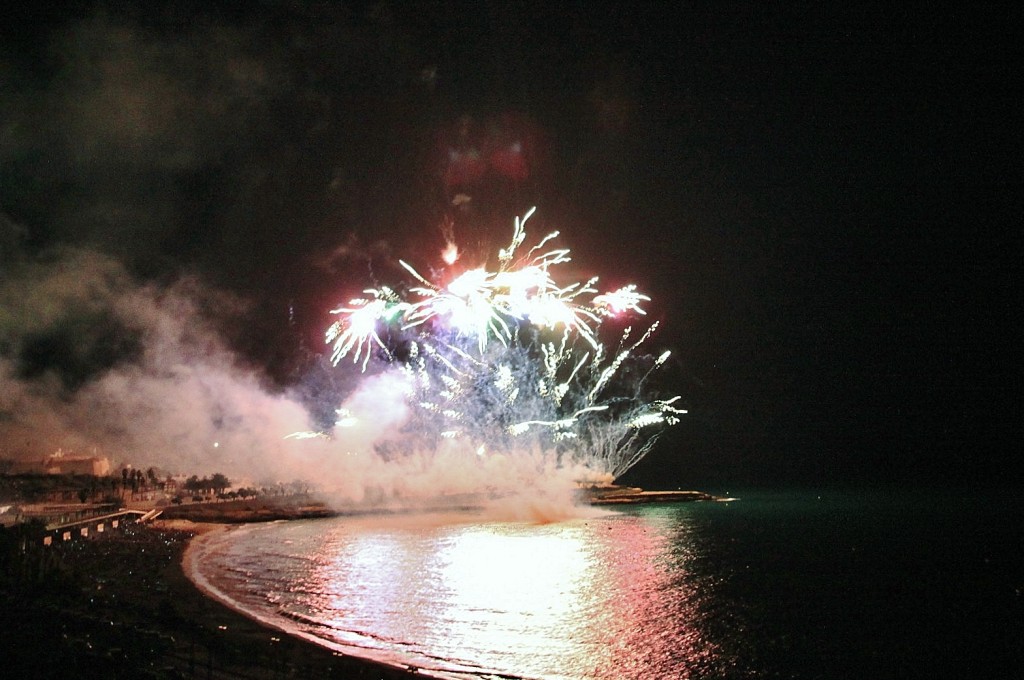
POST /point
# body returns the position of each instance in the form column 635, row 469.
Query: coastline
column 120, row 605
column 220, row 518
column 323, row 658
column 299, row 654
column 344, row 661
column 129, row 603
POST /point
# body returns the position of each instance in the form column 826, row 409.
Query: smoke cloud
column 181, row 199
column 166, row 185
column 94, row 361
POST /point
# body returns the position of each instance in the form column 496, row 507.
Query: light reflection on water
column 605, row 597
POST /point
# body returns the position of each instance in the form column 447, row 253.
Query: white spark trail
column 483, row 368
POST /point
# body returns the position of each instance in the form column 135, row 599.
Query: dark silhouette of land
column 118, row 605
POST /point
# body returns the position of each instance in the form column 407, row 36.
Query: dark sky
column 824, row 202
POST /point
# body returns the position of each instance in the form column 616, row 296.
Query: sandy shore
column 120, row 605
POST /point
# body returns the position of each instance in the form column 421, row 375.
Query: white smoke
column 179, row 400
column 168, row 394
column 376, row 460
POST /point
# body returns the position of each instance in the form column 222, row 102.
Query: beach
column 129, row 603
column 120, row 605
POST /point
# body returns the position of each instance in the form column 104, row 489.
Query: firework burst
column 510, row 361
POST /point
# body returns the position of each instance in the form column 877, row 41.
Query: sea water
column 797, row 584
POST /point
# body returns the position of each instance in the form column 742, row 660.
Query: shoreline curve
column 384, row 666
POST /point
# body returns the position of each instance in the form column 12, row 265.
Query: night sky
column 823, row 202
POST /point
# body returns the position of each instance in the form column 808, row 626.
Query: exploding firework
column 510, row 362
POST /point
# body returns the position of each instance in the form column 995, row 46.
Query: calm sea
column 796, row 584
